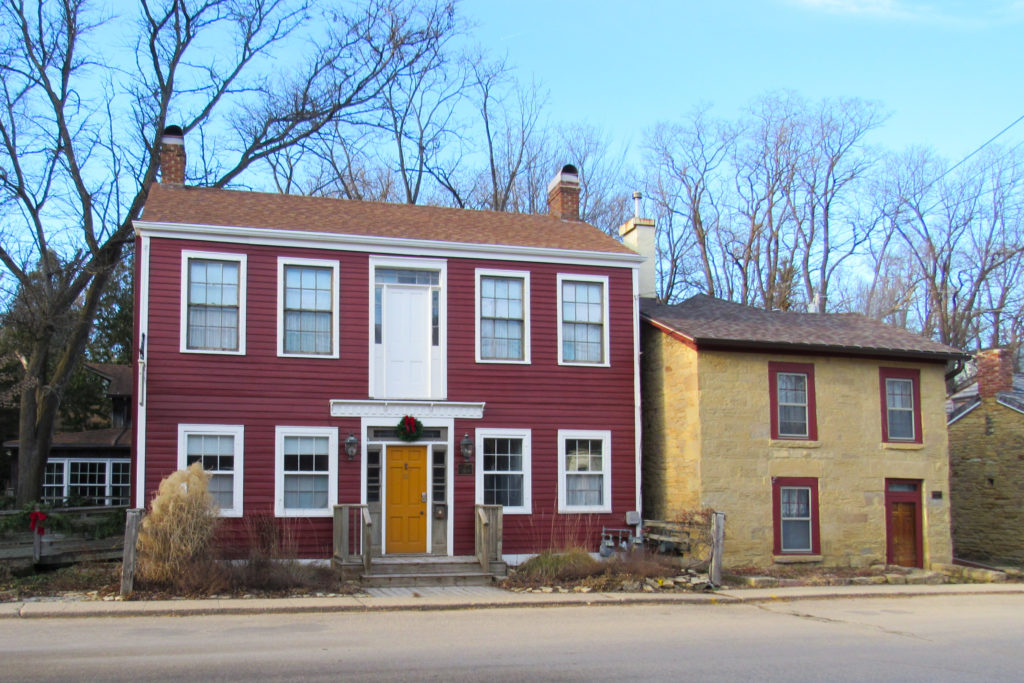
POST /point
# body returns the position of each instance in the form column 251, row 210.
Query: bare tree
column 80, row 132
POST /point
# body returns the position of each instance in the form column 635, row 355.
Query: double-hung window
column 584, row 471
column 90, row 482
column 502, row 316
column 503, row 471
column 219, row 449
column 791, row 387
column 900, row 390
column 795, row 516
column 212, row 302
column 307, row 308
column 306, row 477
column 583, row 319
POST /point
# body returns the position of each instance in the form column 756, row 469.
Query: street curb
column 367, row 604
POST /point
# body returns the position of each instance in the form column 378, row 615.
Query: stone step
column 418, row 579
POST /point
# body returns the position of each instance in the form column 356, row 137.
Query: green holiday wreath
column 409, row 428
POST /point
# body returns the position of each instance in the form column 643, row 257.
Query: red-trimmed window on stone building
column 795, row 515
column 900, row 390
column 792, row 401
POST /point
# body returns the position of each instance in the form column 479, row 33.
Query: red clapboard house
column 283, row 341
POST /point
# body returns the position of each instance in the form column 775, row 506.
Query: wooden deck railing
column 488, row 535
column 352, row 535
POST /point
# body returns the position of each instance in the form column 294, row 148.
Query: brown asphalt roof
column 713, row 322
column 233, row 208
column 119, row 377
column 116, row 437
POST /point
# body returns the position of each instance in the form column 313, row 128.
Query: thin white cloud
column 963, row 13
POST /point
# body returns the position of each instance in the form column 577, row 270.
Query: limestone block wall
column 986, row 452
column 671, row 426
column 849, row 460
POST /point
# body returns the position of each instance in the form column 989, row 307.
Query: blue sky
column 949, row 72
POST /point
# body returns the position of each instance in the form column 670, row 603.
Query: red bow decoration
column 35, row 522
column 410, row 424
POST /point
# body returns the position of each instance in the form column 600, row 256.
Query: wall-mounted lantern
column 352, row 446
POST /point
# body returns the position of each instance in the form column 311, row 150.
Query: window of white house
column 583, row 316
column 219, row 449
column 503, row 471
column 308, row 308
column 503, row 316
column 88, row 482
column 306, row 481
column 584, row 471
column 213, row 302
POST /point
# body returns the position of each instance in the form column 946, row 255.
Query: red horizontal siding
column 261, row 391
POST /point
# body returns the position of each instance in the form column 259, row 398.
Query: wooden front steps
column 426, row 570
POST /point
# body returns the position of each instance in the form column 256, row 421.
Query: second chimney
column 172, row 156
column 995, row 372
column 564, row 194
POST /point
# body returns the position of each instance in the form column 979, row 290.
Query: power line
column 980, row 147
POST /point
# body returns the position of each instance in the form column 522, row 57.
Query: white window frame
column 523, row 275
column 332, row 470
column 525, row 435
column 809, row 520
column 606, row 469
column 241, row 259
column 282, row 262
column 806, row 434
column 65, row 465
column 237, row 432
column 603, row 281
column 912, row 410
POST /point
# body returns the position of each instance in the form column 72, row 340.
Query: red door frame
column 904, row 497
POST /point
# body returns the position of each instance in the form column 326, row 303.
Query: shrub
column 551, row 567
column 176, row 538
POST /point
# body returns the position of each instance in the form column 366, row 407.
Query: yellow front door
column 406, row 502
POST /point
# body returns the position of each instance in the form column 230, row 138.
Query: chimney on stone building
column 995, row 372
column 564, row 194
column 172, row 156
column 638, row 234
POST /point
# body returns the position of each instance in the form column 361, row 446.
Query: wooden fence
column 69, row 535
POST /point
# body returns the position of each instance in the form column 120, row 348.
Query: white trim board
column 383, row 245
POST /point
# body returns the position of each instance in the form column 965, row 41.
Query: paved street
column 896, row 638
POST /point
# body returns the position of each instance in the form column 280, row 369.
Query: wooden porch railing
column 488, row 535
column 352, row 537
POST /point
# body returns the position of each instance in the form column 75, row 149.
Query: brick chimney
column 564, row 194
column 172, row 156
column 995, row 371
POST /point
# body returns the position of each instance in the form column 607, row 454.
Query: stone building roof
column 714, row 323
column 241, row 209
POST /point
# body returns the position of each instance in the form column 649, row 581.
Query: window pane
column 501, row 318
column 308, row 310
column 584, row 489
column 901, row 424
column 792, row 421
column 212, row 315
column 796, row 535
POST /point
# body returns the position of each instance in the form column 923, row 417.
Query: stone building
column 986, row 455
column 821, row 437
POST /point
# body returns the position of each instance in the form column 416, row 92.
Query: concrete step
column 418, row 579
column 382, row 566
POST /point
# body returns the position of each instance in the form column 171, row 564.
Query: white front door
column 406, row 338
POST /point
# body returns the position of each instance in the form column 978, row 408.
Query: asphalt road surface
column 963, row 638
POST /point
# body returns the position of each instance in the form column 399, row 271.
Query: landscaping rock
column 760, row 581
column 895, row 578
column 868, row 580
column 925, row 578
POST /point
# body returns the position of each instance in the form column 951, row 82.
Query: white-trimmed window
column 90, row 482
column 306, row 471
column 502, row 316
column 584, row 471
column 220, row 449
column 307, row 308
column 212, row 302
column 503, row 469
column 582, row 319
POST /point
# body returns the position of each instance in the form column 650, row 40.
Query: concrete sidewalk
column 484, row 598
